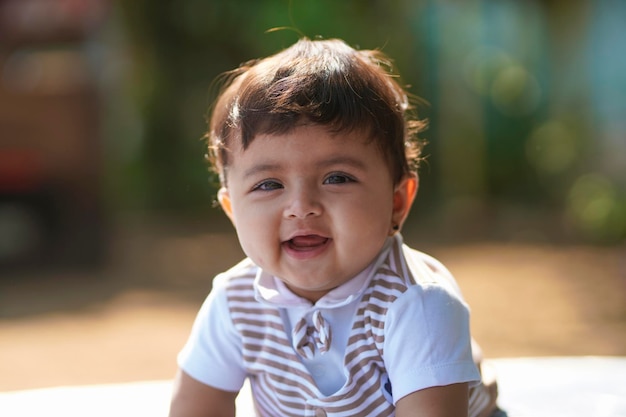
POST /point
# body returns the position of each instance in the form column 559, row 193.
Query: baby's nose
column 304, row 203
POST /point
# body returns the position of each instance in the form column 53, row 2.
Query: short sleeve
column 212, row 354
column 427, row 340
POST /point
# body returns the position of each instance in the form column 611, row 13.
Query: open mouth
column 306, row 242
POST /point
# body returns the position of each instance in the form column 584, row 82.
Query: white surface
column 562, row 387
column 529, row 387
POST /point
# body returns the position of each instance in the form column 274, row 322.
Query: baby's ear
column 223, row 196
column 403, row 197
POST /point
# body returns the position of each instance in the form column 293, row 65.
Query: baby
column 330, row 314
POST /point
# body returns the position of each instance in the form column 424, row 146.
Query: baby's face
column 311, row 208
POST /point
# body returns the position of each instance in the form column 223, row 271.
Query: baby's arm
column 446, row 401
column 210, row 365
column 192, row 398
column 428, row 353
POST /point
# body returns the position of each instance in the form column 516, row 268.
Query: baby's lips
column 308, row 240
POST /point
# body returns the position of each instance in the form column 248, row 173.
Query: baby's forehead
column 305, row 137
column 309, row 149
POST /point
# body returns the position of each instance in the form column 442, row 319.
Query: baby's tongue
column 308, row 241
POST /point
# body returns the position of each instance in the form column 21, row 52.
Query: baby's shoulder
column 428, row 272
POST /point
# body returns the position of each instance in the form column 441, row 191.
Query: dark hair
column 324, row 82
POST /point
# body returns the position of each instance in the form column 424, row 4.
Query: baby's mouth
column 306, row 242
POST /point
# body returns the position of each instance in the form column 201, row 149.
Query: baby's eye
column 338, row 179
column 267, row 185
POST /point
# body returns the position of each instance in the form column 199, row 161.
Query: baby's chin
column 310, row 293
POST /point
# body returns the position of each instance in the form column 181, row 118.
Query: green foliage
column 503, row 129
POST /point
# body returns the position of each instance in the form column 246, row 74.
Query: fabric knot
column 309, row 338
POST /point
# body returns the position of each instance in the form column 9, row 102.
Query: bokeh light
column 552, row 148
column 594, row 208
column 515, row 91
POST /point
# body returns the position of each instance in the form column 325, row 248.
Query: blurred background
column 108, row 232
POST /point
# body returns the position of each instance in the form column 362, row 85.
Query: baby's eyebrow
column 260, row 168
column 324, row 163
column 342, row 160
